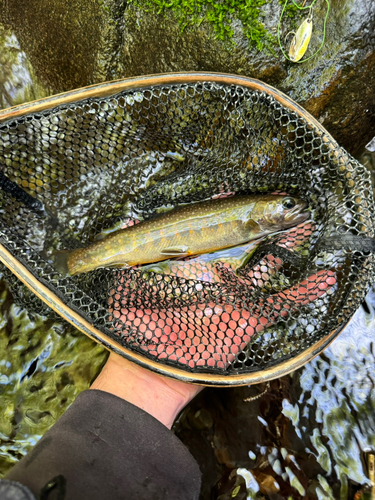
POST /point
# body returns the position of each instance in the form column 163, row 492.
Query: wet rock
column 83, row 42
column 335, row 86
column 18, row 82
column 70, row 44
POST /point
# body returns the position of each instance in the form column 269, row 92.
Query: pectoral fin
column 121, row 265
column 158, row 268
column 251, row 224
column 179, row 251
column 244, row 259
column 236, row 257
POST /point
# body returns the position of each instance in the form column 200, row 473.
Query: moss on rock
column 220, row 15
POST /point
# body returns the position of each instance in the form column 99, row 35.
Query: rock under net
column 76, row 170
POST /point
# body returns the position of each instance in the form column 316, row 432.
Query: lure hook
column 310, row 17
column 289, row 33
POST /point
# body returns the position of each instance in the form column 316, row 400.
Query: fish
column 194, row 229
column 301, row 40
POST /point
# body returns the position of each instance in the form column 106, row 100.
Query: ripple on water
column 44, row 365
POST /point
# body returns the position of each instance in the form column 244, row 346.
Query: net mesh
column 78, row 169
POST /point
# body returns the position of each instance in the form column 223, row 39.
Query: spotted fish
column 192, row 229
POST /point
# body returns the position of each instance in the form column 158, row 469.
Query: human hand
column 160, row 396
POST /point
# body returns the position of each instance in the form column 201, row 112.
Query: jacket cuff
column 105, row 447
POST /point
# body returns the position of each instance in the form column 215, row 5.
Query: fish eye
column 289, row 203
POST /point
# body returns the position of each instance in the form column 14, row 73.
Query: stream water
column 308, row 435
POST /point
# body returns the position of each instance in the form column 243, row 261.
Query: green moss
column 290, row 10
column 219, row 14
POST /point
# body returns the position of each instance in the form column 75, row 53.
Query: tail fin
column 59, row 259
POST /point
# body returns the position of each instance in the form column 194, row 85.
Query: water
column 44, row 365
column 311, row 435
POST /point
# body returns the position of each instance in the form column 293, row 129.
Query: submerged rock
column 82, row 42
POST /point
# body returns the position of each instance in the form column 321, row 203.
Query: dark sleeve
column 107, row 448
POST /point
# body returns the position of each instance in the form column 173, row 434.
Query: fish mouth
column 297, row 214
column 298, row 217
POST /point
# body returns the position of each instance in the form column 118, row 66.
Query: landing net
column 76, row 169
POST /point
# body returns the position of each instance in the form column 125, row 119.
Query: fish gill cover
column 79, row 169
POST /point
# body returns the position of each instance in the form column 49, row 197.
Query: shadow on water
column 311, row 435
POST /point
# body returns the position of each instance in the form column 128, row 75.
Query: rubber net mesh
column 78, row 169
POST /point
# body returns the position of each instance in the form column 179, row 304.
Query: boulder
column 18, row 82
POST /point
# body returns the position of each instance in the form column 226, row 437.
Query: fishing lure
column 301, row 40
column 302, row 37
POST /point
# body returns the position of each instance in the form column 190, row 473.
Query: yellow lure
column 301, row 40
